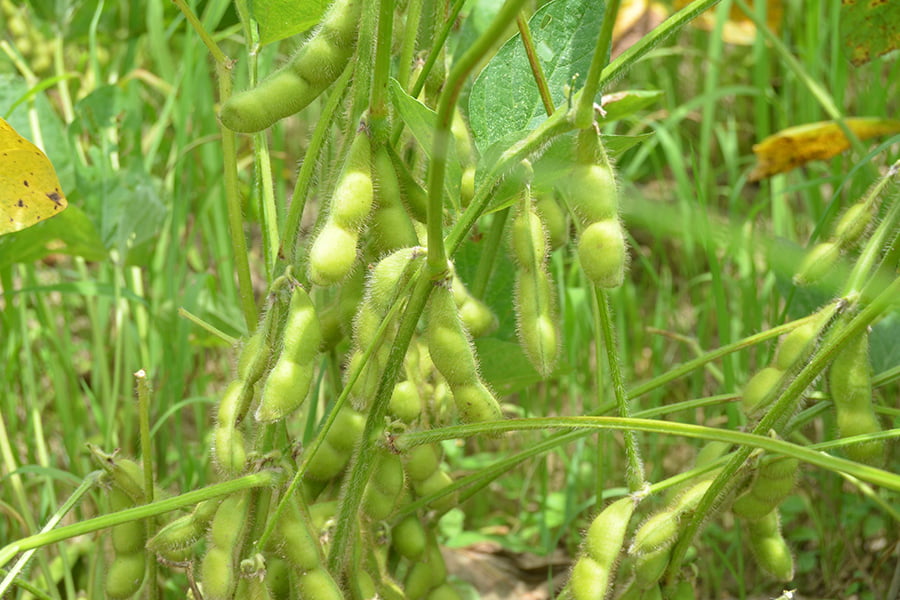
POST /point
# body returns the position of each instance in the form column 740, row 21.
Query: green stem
column 747, row 441
column 410, row 35
column 584, row 115
column 144, row 511
column 307, row 169
column 634, row 474
column 780, row 408
column 437, row 255
column 364, row 458
column 536, row 69
column 143, row 388
column 378, row 105
column 233, row 202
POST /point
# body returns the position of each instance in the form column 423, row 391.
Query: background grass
column 122, row 96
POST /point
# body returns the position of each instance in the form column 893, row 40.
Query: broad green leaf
column 505, row 97
column 72, row 232
column 869, row 29
column 422, row 121
column 279, row 19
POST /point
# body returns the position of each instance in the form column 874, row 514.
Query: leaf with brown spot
column 29, row 188
column 869, row 28
column 796, row 146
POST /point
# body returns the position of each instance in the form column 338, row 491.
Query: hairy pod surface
column 817, row 263
column 795, row 346
column 658, row 531
column 299, row 82
column 302, row 334
column 853, row 224
column 850, row 383
column 592, row 193
column 294, row 540
column 332, row 255
column 217, row 574
column 318, row 584
column 448, row 343
column 125, row 575
column 769, row 547
column 409, row 538
column 285, row 390
column 555, row 220
column 606, row 534
column 601, row 251
column 758, row 391
column 649, row 567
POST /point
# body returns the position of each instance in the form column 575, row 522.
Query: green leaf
column 70, row 232
column 505, row 97
column 279, row 19
column 869, row 29
column 422, row 121
column 619, row 105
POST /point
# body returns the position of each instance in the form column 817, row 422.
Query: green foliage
column 429, row 341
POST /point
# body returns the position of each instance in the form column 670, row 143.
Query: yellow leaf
column 796, row 146
column 738, row 29
column 29, row 189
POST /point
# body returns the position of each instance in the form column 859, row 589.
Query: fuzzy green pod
column 332, row 255
column 285, row 390
column 129, row 537
column 817, row 263
column 769, row 547
column 302, row 333
column 537, row 329
column 299, row 82
column 406, row 403
column 589, row 579
column 351, row 201
column 758, row 391
column 606, row 534
column 448, row 344
column 125, row 575
column 796, row 346
column 281, row 94
column 477, row 318
column 422, row 461
column 850, row 383
column 658, row 531
column 409, row 539
column 217, row 574
column 318, row 584
column 475, row 403
column 253, row 358
column 528, row 240
column 592, row 192
column 774, row 481
column 601, row 251
column 853, row 224
column 294, row 540
column 445, row 591
column 391, row 226
column 230, row 450
column 388, row 277
column 649, row 567
column 555, row 220
column 184, row 531
column 384, row 488
column 433, row 484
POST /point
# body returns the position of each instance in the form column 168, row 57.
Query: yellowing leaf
column 796, row 146
column 29, row 188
